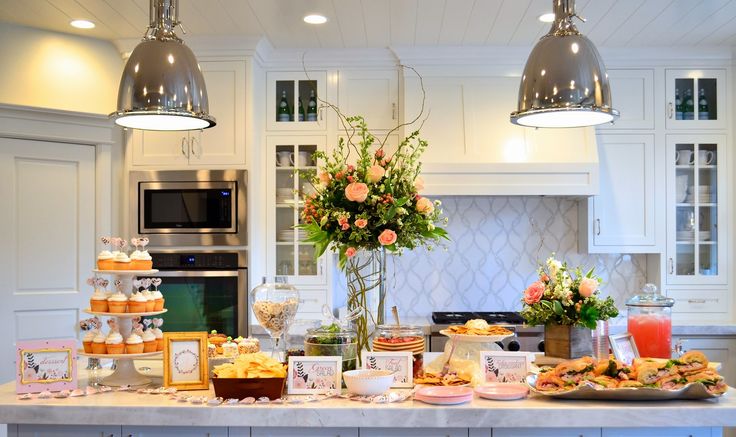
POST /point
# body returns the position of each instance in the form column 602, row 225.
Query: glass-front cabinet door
column 293, row 101
column 696, row 190
column 696, row 99
column 292, row 162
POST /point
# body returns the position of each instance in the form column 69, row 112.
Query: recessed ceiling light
column 82, row 24
column 315, row 19
column 547, row 18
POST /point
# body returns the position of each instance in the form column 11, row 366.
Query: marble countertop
column 130, row 408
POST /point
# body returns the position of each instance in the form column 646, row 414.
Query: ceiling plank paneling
column 482, row 19
column 349, row 15
column 377, row 24
column 616, row 16
column 510, row 15
column 718, row 28
column 455, row 21
column 429, row 22
column 241, row 14
column 403, row 20
column 664, row 22
column 103, row 13
column 644, row 15
column 328, row 34
column 668, row 35
column 530, row 28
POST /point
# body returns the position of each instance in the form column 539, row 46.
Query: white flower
column 554, row 267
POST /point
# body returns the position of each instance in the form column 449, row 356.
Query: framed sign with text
column 185, row 360
column 314, row 375
column 46, row 365
column 402, row 363
column 503, row 366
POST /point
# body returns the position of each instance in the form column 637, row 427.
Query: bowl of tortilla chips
column 249, row 375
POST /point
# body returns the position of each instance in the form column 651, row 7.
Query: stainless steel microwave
column 189, row 208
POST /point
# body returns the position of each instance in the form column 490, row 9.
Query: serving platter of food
column 687, row 377
column 477, row 331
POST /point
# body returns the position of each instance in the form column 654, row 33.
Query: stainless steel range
column 525, row 338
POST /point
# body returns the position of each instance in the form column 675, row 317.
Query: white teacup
column 305, row 159
column 705, row 157
column 684, row 157
column 284, row 158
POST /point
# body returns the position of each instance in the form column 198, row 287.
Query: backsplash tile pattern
column 493, row 256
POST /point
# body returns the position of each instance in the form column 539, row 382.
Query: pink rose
column 387, row 237
column 343, row 222
column 324, row 178
column 425, row 206
column 361, row 223
column 375, row 173
column 350, row 252
column 588, row 286
column 419, row 183
column 534, row 293
column 356, row 192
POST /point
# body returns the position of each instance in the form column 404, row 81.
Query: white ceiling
column 381, row 23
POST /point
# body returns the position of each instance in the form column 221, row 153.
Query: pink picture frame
column 46, row 365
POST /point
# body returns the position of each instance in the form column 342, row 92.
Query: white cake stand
column 125, row 372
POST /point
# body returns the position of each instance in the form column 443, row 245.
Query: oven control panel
column 195, row 261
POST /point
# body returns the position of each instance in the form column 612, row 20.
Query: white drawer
column 311, row 301
column 700, row 301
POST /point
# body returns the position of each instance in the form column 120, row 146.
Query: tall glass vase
column 366, row 281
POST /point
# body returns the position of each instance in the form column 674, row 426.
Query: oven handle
column 199, row 273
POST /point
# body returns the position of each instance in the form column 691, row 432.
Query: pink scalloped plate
column 445, row 392
column 452, row 400
column 502, row 392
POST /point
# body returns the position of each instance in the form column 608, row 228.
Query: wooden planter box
column 564, row 341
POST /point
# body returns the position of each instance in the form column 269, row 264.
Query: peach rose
column 356, row 192
column 375, row 173
column 419, row 183
column 425, row 206
column 361, row 223
column 350, row 252
column 324, row 178
column 587, row 287
column 387, row 237
column 534, row 293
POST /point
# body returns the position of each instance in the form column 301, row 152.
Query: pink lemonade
column 652, row 334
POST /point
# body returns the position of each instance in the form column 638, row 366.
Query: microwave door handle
column 198, row 273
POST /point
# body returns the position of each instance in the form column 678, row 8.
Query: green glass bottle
column 301, row 111
column 703, row 113
column 678, row 105
column 284, row 112
column 688, row 109
column 312, row 107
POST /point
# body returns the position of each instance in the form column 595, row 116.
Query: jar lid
column 650, row 297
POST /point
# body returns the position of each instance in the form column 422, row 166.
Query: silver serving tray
column 695, row 390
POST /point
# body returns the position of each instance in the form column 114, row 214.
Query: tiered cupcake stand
column 125, row 372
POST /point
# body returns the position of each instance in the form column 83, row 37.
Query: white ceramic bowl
column 368, row 382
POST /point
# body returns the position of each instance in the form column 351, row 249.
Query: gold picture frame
column 185, row 360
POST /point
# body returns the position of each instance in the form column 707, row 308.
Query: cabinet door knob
column 598, row 226
column 672, row 266
column 671, row 110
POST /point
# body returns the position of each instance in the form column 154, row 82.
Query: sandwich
column 651, row 372
column 612, row 368
column 712, row 381
column 671, row 382
column 572, row 372
column 548, row 381
column 691, row 362
column 604, row 381
column 630, row 384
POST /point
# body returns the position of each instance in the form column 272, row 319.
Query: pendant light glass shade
column 564, row 83
column 162, row 87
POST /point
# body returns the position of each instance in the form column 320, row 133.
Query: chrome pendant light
column 565, row 83
column 162, row 87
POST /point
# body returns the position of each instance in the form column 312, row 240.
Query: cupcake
column 141, row 261
column 229, row 348
column 150, row 301
column 159, row 338
column 149, row 341
column 114, row 343
column 98, row 301
column 117, row 302
column 104, row 260
column 121, row 261
column 98, row 343
column 158, row 300
column 87, row 340
column 249, row 346
column 211, row 350
column 134, row 344
column 137, row 303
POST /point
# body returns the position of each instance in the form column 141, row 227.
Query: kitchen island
column 135, row 414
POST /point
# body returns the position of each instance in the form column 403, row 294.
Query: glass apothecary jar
column 274, row 305
column 393, row 338
column 649, row 321
column 333, row 340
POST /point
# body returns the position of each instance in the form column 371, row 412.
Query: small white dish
column 368, row 382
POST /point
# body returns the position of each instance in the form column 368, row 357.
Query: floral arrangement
column 566, row 297
column 374, row 203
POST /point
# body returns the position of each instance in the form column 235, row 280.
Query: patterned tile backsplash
column 496, row 245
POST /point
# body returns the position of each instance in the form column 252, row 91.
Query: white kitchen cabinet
column 546, row 432
column 632, row 94
column 174, row 431
column 414, row 432
column 223, row 144
column 693, row 85
column 697, row 196
column 374, row 94
column 303, row 432
column 624, row 216
column 693, row 305
column 719, row 349
column 660, row 432
column 285, row 90
column 66, row 431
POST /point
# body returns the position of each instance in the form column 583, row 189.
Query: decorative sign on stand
column 314, row 375
column 400, row 362
column 502, row 366
column 185, row 360
column 624, row 347
column 46, row 365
